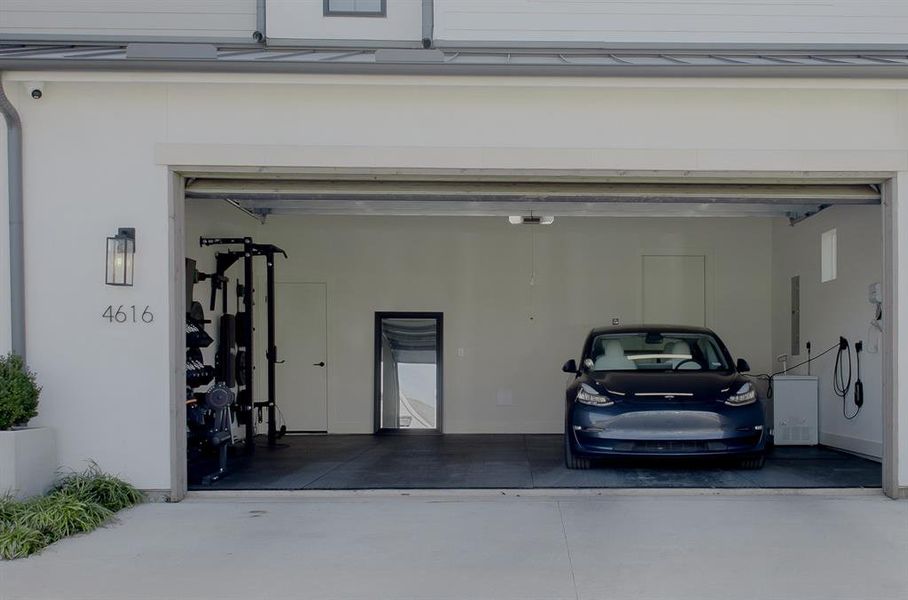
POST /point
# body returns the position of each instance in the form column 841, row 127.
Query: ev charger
column 875, row 293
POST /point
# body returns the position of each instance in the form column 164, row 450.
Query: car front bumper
column 667, row 429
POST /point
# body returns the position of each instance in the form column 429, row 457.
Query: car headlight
column 588, row 395
column 744, row 396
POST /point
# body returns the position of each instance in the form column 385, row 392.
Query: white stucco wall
column 832, row 309
column 105, row 385
column 98, row 146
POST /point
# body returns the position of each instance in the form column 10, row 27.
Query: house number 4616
column 128, row 314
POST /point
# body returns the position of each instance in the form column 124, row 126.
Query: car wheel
column 753, row 463
column 572, row 460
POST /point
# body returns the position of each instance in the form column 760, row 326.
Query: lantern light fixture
column 121, row 254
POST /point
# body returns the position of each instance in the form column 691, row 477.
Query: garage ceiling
column 263, row 197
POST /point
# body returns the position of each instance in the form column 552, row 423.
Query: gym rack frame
column 225, row 260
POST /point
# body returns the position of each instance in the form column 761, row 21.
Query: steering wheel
column 686, row 360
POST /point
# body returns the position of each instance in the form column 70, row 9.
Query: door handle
column 319, row 364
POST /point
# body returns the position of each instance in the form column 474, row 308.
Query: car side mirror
column 742, row 366
column 570, row 366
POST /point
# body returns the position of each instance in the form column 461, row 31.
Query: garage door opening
column 371, row 265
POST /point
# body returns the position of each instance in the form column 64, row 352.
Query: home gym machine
column 209, row 420
column 244, row 329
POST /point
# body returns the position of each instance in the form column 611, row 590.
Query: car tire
column 753, row 463
column 571, row 459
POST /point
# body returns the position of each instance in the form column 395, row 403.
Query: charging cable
column 858, row 384
column 810, row 359
column 841, row 383
column 842, row 379
column 769, row 377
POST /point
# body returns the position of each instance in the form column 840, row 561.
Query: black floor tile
column 516, row 461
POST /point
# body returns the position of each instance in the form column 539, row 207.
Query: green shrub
column 19, row 541
column 80, row 502
column 18, row 392
column 10, row 509
column 92, row 485
column 59, row 515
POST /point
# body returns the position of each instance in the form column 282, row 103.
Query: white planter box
column 28, row 461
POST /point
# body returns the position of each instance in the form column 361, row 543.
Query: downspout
column 428, row 23
column 16, row 237
column 260, row 35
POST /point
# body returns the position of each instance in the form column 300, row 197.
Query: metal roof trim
column 565, row 62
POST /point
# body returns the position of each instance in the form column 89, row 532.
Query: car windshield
column 657, row 351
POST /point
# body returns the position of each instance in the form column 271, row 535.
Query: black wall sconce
column 121, row 257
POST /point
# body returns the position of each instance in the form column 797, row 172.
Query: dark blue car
column 663, row 390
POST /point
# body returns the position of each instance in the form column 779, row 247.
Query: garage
column 408, row 328
column 483, row 212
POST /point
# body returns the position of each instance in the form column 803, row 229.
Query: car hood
column 667, row 386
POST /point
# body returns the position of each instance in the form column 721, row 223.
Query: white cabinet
column 795, row 405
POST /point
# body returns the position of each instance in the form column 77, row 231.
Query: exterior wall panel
column 219, row 19
column 305, row 20
column 674, row 21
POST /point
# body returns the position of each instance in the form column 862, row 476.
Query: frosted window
column 355, row 7
column 828, row 255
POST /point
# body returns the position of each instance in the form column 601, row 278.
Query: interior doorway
column 408, row 372
column 302, row 384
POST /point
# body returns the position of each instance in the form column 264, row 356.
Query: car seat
column 683, row 348
column 612, row 357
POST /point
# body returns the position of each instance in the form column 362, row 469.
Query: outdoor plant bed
column 79, row 503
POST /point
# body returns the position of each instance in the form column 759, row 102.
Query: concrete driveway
column 495, row 545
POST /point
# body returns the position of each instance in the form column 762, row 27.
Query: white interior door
column 674, row 290
column 302, row 381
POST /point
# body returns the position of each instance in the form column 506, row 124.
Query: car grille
column 683, row 446
column 676, row 446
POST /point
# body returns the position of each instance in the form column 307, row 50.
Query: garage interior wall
column 508, row 325
column 840, row 307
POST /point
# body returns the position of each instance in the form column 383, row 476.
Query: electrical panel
column 796, row 315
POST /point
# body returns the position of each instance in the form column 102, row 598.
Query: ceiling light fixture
column 530, row 220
